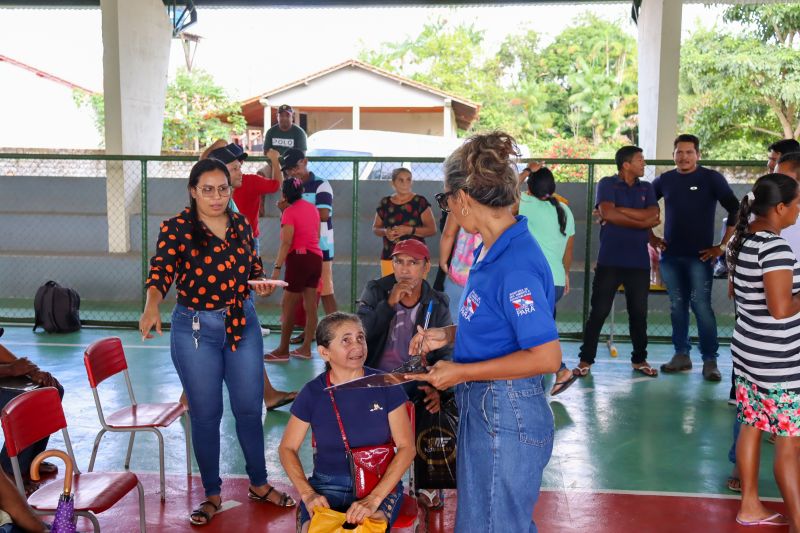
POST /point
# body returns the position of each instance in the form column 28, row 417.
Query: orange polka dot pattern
column 211, row 277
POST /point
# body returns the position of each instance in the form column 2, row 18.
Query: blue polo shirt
column 508, row 299
column 621, row 246
column 690, row 206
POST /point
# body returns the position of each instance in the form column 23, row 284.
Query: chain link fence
column 81, row 221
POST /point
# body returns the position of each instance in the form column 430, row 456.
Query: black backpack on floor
column 57, row 308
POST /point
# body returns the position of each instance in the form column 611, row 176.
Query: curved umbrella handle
column 54, row 453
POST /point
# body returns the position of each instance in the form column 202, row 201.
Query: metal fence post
column 145, row 264
column 587, row 258
column 354, row 242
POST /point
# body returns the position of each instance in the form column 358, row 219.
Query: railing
column 85, row 221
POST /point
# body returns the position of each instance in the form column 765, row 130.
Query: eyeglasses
column 207, row 191
column 441, row 199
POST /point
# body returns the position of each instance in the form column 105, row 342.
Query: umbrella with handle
column 64, row 520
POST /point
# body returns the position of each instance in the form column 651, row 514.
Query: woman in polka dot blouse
column 207, row 252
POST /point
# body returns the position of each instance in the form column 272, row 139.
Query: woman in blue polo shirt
column 505, row 341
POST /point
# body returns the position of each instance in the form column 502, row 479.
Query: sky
column 250, row 51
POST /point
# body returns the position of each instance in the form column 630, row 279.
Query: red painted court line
column 557, row 511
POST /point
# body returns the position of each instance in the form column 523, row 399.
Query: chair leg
column 96, row 447
column 161, row 464
column 188, row 432
column 92, row 518
column 130, row 451
column 142, row 521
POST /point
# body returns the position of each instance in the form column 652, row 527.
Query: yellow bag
column 330, row 521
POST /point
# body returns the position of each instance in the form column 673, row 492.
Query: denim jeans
column 505, row 439
column 26, row 456
column 607, row 280
column 453, row 292
column 338, row 490
column 689, row 282
column 202, row 371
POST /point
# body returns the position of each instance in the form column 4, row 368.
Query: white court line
column 67, row 345
column 655, row 493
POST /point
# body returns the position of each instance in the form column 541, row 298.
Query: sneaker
column 679, row 363
column 711, row 372
column 272, row 357
column 265, row 332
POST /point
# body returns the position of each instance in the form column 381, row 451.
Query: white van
column 373, row 143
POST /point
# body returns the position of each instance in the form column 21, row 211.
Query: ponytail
column 542, row 185
column 739, row 234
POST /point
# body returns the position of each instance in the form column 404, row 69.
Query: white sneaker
column 265, row 332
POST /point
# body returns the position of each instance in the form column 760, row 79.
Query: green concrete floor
column 616, row 430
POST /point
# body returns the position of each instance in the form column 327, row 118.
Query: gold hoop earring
column 464, row 212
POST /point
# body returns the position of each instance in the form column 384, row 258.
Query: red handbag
column 368, row 464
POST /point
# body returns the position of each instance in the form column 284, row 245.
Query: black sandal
column 201, row 513
column 285, row 500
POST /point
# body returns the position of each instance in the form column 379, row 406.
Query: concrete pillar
column 447, row 126
column 659, row 71
column 356, row 118
column 267, row 116
column 136, row 42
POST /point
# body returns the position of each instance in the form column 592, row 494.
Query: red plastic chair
column 36, row 414
column 409, row 508
column 106, row 358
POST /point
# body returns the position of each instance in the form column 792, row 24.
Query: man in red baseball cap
column 391, row 308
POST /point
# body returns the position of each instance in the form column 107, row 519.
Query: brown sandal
column 645, row 369
column 284, row 501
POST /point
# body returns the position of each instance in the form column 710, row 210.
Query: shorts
column 302, row 271
column 776, row 411
column 338, row 490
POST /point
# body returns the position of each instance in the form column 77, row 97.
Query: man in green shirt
column 285, row 134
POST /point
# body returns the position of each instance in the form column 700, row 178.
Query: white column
column 267, row 116
column 356, row 118
column 659, row 71
column 136, row 42
column 447, row 125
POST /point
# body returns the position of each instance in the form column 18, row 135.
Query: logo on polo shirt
column 522, row 300
column 470, row 305
column 287, row 143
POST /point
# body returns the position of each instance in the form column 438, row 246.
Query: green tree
column 197, row 111
column 742, row 92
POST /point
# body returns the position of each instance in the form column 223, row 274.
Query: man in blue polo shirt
column 628, row 209
column 691, row 193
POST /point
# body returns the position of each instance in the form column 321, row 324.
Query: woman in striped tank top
column 765, row 278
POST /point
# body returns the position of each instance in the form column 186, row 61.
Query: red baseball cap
column 412, row 247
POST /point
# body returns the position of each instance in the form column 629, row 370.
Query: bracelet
column 276, row 267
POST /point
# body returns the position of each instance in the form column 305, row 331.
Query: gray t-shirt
column 401, row 330
column 281, row 140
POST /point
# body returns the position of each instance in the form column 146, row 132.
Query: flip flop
column 299, row 355
column 646, row 370
column 773, row 520
column 284, row 501
column 734, row 484
column 561, row 386
column 286, row 400
column 581, row 371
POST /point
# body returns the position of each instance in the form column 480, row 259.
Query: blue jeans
column 338, row 490
column 505, row 439
column 689, row 282
column 453, row 292
column 202, row 372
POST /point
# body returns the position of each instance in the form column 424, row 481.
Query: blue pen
column 425, row 327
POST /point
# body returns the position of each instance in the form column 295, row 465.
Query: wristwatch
column 723, row 246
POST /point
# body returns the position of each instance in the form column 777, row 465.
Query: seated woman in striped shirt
column 765, row 279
